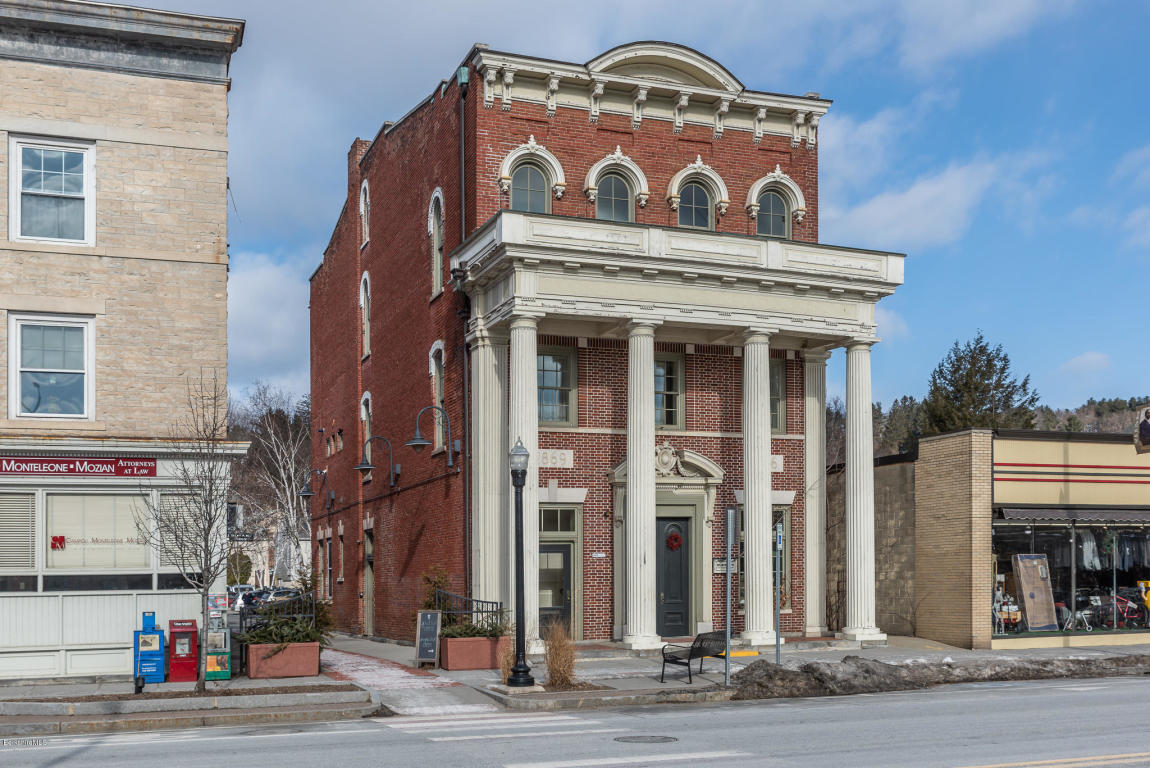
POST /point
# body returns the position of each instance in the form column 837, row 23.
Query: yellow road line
column 1075, row 762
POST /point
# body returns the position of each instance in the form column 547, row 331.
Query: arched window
column 613, row 199
column 437, row 390
column 364, row 214
column 365, row 421
column 529, row 189
column 365, row 313
column 772, row 218
column 694, row 206
column 436, row 246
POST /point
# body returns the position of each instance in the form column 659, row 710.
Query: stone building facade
column 616, row 263
column 113, row 297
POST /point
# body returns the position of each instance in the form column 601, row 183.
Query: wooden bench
column 705, row 644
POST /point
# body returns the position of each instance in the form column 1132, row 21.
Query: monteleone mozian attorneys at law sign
column 77, row 467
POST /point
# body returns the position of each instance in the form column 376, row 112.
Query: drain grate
column 645, row 739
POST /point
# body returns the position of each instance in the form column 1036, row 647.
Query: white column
column 488, row 465
column 860, row 613
column 758, row 534
column 639, row 584
column 815, row 498
column 523, row 424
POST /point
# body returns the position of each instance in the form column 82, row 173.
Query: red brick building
column 617, row 263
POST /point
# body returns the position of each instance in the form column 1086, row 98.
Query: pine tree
column 973, row 386
column 902, row 427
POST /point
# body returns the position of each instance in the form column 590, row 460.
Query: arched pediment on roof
column 667, row 63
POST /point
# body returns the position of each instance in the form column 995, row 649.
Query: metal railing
column 458, row 609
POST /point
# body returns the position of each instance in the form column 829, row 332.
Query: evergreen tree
column 973, row 386
column 901, row 427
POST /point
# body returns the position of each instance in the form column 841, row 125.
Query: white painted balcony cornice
column 573, row 267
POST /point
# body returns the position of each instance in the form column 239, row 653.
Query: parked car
column 278, row 595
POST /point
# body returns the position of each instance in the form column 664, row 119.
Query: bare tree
column 187, row 527
column 277, row 466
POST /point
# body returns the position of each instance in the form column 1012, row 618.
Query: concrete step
column 28, row 725
column 180, row 704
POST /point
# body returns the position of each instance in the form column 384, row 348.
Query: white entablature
column 605, row 272
column 649, row 80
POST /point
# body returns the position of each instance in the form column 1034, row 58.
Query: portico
column 647, row 288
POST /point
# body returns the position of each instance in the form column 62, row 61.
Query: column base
column 864, row 634
column 759, row 638
column 642, row 642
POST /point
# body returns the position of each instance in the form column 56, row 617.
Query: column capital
column 482, row 336
column 819, row 356
column 525, row 321
column 758, row 335
column 642, row 327
column 862, row 343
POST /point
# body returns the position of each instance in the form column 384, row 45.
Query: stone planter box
column 295, row 660
column 471, row 652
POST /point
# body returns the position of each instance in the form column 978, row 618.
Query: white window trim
column 15, row 320
column 777, row 181
column 624, row 166
column 546, row 162
column 15, row 143
column 365, row 314
column 705, row 175
column 437, row 254
column 364, row 214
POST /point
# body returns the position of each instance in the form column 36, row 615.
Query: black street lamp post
column 520, row 673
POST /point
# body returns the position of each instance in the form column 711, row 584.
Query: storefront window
column 780, row 514
column 1101, row 566
column 94, row 532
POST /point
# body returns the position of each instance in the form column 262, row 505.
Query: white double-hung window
column 51, row 191
column 51, row 372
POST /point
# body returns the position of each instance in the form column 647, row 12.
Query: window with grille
column 51, row 193
column 555, row 373
column 779, row 396
column 668, row 392
column 529, row 189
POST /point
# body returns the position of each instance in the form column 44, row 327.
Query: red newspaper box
column 182, row 651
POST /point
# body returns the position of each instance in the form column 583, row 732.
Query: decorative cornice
column 796, row 127
column 552, row 91
column 721, row 110
column 508, row 79
column 639, row 99
column 596, row 93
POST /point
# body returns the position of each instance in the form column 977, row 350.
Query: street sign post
column 778, row 591
column 731, row 513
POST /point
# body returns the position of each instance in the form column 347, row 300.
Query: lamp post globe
column 520, row 676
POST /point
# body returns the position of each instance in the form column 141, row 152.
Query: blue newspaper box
column 148, row 650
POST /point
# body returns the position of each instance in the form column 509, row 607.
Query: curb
column 182, row 704
column 31, row 726
column 541, row 702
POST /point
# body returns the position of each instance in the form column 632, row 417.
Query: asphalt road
column 1049, row 724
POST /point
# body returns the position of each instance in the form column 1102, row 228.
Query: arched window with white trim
column 775, row 201
column 436, row 372
column 364, row 214
column 436, row 246
column 613, row 201
column 616, row 185
column 530, row 174
column 365, row 313
column 699, row 195
column 365, row 422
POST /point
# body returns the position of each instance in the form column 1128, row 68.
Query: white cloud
column 1137, row 227
column 1134, row 166
column 891, row 324
column 932, row 33
column 934, row 210
column 1087, row 362
column 268, row 323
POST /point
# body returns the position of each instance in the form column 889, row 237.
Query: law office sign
column 74, row 467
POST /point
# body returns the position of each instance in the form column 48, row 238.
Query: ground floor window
column 85, row 532
column 1097, row 576
column 779, row 514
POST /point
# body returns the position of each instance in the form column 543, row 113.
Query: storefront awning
column 1078, row 514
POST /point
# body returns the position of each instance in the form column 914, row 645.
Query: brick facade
column 422, row 525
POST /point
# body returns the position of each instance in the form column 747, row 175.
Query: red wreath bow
column 674, row 540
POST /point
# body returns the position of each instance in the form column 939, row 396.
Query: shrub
column 506, row 662
column 559, row 654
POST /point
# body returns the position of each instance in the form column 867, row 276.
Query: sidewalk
column 624, row 678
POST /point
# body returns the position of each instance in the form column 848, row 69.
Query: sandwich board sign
column 427, row 637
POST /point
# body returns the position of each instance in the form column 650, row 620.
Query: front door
column 673, row 576
column 368, row 583
column 555, row 585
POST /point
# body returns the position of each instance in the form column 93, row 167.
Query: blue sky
column 1001, row 145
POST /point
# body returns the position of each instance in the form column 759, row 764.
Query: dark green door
column 555, row 585
column 673, row 576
